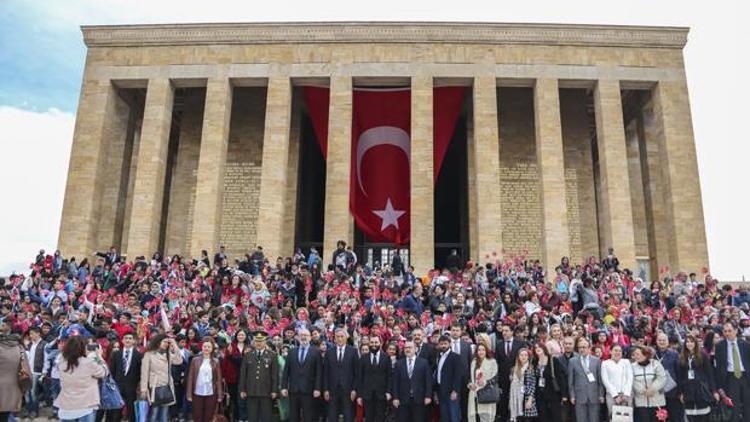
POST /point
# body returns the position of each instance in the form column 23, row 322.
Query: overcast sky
column 42, row 55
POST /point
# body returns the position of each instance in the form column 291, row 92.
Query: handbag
column 109, row 394
column 24, row 374
column 720, row 412
column 141, row 411
column 669, row 384
column 490, row 393
column 163, row 394
column 622, row 414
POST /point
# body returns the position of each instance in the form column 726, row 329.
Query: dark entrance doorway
column 311, row 188
column 451, row 198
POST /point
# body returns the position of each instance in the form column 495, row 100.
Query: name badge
column 590, row 376
column 541, row 382
column 691, row 374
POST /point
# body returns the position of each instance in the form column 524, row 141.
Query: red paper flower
column 661, row 414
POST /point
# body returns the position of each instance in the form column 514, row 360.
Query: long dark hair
column 155, row 342
column 73, row 351
column 697, row 353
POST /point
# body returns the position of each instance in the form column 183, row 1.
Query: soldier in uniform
column 259, row 379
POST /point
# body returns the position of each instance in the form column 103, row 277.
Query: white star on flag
column 389, row 216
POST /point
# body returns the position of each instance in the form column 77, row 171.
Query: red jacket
column 230, row 365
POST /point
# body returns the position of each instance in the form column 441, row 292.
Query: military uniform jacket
column 259, row 375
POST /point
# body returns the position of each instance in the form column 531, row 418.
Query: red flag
column 381, row 152
column 381, row 157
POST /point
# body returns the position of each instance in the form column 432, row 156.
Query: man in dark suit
column 341, row 366
column 423, row 349
column 411, row 386
column 733, row 371
column 302, row 380
column 448, row 377
column 126, row 370
column 562, row 362
column 506, row 350
column 373, row 381
column 463, row 350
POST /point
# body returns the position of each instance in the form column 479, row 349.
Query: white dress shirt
column 440, row 364
column 617, row 377
column 204, row 385
column 730, row 356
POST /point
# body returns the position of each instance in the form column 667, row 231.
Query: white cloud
column 36, row 150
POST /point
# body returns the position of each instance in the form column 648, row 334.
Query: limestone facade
column 208, row 152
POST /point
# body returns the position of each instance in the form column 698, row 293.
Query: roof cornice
column 383, row 32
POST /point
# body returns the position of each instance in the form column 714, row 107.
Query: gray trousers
column 587, row 412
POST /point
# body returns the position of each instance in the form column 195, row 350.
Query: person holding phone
column 161, row 354
column 80, row 369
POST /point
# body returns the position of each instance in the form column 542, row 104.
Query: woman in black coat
column 547, row 392
column 695, row 381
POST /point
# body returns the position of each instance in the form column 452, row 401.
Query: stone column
column 550, row 160
column 211, row 163
column 615, row 211
column 487, row 163
column 148, row 190
column 81, row 207
column 338, row 220
column 422, row 243
column 684, row 206
column 273, row 176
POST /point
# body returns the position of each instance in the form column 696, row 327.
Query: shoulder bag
column 490, row 393
column 163, row 395
column 109, row 394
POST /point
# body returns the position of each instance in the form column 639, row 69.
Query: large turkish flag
column 380, row 183
column 380, row 176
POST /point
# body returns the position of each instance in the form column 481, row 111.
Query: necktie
column 302, row 351
column 736, row 360
column 507, row 348
column 341, row 354
column 411, row 366
column 126, row 361
column 456, row 348
column 373, row 359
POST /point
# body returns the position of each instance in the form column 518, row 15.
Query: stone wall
column 579, row 175
column 185, row 176
column 519, row 177
column 242, row 178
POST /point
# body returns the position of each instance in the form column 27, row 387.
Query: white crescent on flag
column 381, row 135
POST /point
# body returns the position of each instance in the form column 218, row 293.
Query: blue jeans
column 91, row 417
column 158, row 413
column 32, row 396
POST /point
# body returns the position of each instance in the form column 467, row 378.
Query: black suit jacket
column 128, row 383
column 303, row 377
column 561, row 373
column 465, row 359
column 418, row 387
column 450, row 375
column 505, row 361
column 722, row 361
column 341, row 375
column 373, row 381
column 427, row 352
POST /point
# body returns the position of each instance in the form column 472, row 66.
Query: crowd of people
column 310, row 339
